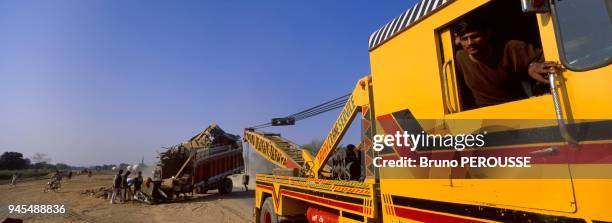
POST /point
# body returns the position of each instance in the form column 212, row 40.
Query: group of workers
column 122, row 186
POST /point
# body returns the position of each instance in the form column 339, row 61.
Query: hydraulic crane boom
column 285, row 154
column 276, row 149
column 358, row 99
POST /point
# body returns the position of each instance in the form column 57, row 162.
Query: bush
column 8, row 174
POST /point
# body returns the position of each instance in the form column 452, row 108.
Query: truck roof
column 404, row 20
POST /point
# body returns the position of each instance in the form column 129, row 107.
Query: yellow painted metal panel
column 405, row 69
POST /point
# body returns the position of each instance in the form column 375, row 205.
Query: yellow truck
column 415, row 86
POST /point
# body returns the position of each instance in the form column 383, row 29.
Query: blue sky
column 101, row 81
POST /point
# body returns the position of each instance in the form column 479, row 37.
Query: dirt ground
column 211, row 207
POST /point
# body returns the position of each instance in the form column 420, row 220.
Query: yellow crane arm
column 275, row 149
column 358, row 99
column 285, row 154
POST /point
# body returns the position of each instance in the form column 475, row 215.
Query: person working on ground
column 117, row 187
column 14, row 180
column 125, row 187
column 493, row 71
column 57, row 175
column 138, row 184
column 353, row 157
column 56, row 178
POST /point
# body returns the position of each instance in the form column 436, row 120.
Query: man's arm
column 527, row 55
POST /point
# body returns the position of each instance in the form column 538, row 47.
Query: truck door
column 521, row 128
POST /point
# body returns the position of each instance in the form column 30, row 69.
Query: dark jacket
column 117, row 181
column 124, row 183
column 137, row 183
column 354, row 157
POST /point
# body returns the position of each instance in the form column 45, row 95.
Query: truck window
column 585, row 31
column 492, row 47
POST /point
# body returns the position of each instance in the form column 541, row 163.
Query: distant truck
column 203, row 163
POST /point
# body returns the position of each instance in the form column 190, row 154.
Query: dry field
column 211, row 207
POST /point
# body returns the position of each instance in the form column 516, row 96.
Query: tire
column 266, row 214
column 221, row 187
column 226, row 186
column 229, row 185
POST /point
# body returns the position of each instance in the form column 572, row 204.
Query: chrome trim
column 552, row 78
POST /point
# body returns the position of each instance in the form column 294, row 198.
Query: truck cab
column 418, row 86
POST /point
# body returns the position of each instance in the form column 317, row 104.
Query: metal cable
column 333, row 104
column 341, row 98
column 321, row 110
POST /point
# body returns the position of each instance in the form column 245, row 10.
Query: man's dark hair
column 120, row 171
column 471, row 24
column 350, row 146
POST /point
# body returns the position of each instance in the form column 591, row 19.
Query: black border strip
column 482, row 212
column 355, row 217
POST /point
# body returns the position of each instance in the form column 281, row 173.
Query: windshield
column 586, row 32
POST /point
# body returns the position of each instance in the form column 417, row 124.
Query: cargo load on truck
column 203, row 163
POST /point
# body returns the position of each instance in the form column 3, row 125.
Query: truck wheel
column 220, row 188
column 226, row 186
column 267, row 214
column 229, row 185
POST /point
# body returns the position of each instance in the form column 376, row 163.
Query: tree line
column 16, row 161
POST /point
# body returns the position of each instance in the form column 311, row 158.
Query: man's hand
column 538, row 70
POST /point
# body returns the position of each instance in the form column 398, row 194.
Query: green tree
column 313, row 147
column 42, row 165
column 12, row 161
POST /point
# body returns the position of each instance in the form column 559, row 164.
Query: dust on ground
column 211, row 207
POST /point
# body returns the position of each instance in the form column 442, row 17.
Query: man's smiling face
column 473, row 42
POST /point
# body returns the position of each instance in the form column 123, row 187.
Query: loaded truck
column 415, row 86
column 205, row 162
